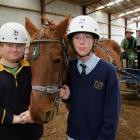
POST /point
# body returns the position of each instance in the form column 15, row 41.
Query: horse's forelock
column 48, row 22
column 44, row 32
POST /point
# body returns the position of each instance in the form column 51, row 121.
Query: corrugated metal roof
column 124, row 7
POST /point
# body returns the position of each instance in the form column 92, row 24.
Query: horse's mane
column 113, row 44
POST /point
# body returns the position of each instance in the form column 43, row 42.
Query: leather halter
column 50, row 90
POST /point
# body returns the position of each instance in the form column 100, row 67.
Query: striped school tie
column 83, row 73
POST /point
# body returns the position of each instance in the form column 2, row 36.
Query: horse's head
column 48, row 58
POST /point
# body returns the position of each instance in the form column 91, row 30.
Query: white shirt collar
column 90, row 63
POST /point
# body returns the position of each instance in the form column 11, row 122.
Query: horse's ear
column 30, row 27
column 61, row 28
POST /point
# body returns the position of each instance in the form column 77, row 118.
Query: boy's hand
column 64, row 92
column 26, row 117
column 23, row 118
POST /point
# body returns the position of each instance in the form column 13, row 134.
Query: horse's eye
column 35, row 52
column 57, row 60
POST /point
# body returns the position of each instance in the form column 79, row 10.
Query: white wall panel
column 139, row 24
column 100, row 16
column 62, row 9
column 17, row 10
column 103, row 30
column 117, row 33
column 117, row 21
column 56, row 10
column 29, row 4
column 117, row 25
column 17, row 15
column 117, row 29
column 102, row 19
column 56, row 19
column 117, row 39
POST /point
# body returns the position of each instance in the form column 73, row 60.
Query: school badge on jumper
column 98, row 85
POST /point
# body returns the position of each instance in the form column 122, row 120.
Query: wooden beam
column 42, row 10
column 109, row 25
column 19, row 8
column 125, row 25
column 84, row 10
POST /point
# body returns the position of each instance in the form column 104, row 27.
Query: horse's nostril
column 57, row 61
column 47, row 116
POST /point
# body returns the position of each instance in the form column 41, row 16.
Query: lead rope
column 54, row 108
column 60, row 79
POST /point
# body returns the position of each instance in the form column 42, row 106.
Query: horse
column 109, row 50
column 49, row 56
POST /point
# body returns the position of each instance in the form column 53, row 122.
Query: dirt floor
column 55, row 130
column 129, row 126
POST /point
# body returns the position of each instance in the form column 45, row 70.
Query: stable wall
column 117, row 25
column 57, row 10
column 16, row 10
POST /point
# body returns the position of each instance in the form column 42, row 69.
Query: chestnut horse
column 49, row 59
column 109, row 50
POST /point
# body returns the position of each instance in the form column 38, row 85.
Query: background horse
column 109, row 50
column 49, row 57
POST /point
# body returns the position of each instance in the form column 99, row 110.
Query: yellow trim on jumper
column 23, row 62
column 3, row 116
